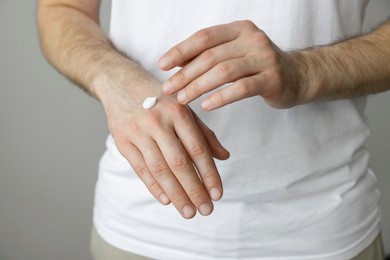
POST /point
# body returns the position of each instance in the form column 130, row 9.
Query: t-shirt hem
column 160, row 253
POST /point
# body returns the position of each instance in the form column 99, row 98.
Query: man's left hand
column 238, row 53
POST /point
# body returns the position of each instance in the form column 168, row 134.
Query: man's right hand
column 169, row 148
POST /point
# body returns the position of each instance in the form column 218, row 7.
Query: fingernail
column 167, row 87
column 164, row 62
column 215, row 194
column 188, row 211
column 164, row 199
column 206, row 104
column 205, row 209
column 181, row 97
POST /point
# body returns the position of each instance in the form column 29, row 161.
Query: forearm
column 354, row 67
column 74, row 43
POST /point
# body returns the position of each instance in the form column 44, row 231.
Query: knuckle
column 267, row 76
column 271, row 57
column 204, row 36
column 121, row 140
column 177, row 51
column 208, row 177
column 244, row 89
column 195, row 88
column 259, row 38
column 179, row 162
column 178, row 197
column 153, row 120
column 133, row 126
column 179, row 111
column 208, row 56
column 248, row 24
column 140, row 169
column 154, row 188
column 198, row 150
column 120, row 133
column 218, row 98
column 159, row 169
column 180, row 76
column 196, row 193
column 225, row 70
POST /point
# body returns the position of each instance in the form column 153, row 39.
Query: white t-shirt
column 297, row 185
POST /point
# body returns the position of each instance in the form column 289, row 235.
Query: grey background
column 52, row 136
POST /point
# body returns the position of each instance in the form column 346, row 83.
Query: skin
column 242, row 54
column 168, row 146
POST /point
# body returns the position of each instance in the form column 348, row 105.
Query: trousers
column 102, row 250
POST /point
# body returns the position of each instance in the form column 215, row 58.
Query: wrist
column 317, row 79
column 127, row 82
column 301, row 77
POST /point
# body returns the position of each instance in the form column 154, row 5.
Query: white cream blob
column 149, row 102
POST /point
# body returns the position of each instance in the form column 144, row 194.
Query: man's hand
column 238, row 53
column 241, row 54
column 169, row 147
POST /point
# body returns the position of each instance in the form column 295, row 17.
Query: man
column 297, row 185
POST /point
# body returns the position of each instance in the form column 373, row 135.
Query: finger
column 197, row 43
column 201, row 64
column 243, row 88
column 137, row 162
column 219, row 75
column 216, row 148
column 198, row 150
column 163, row 175
column 183, row 169
column 186, row 62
